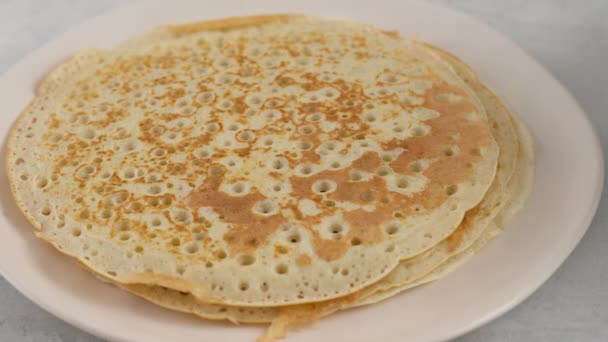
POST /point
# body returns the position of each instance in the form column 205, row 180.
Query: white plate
column 569, row 178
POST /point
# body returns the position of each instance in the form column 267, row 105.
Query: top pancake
column 253, row 161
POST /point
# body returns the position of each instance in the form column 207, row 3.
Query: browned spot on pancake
column 328, row 249
column 279, row 249
column 248, row 229
column 303, row 260
column 54, row 122
column 368, row 162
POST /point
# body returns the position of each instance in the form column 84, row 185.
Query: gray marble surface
column 568, row 37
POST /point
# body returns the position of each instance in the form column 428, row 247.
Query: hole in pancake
column 221, row 255
column 345, row 271
column 175, row 242
column 45, row 211
column 130, row 145
column 307, row 129
column 76, row 232
column 391, row 229
column 264, row 287
column 155, row 189
column 125, row 236
column 387, row 158
column 212, row 127
column 268, row 141
column 233, row 127
column 389, row 78
column 450, row 190
column 120, row 197
column 192, row 247
column 418, row 131
column 416, row 166
column 243, row 286
column 158, row 152
column 304, row 169
column 383, row 171
column 253, row 100
column 271, row 114
column 139, row 249
column 449, row 151
column 355, row 241
column 369, row 117
column 336, row 228
column 225, row 104
column 390, row 249
column 41, row 182
column 106, row 214
column 182, row 216
column 324, row 186
column 330, row 93
column 88, row 133
column 128, row 173
column 281, row 269
column 245, row 136
column 278, row 164
column 202, row 152
column 180, row 270
column 294, row 238
column 402, row 183
column 355, row 175
column 123, row 225
column 205, row 97
column 152, row 178
column 239, row 188
column 246, row 259
column 330, row 145
column 315, row 117
column 85, row 172
column 265, row 207
column 158, row 130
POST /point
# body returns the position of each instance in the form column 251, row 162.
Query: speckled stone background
column 568, row 37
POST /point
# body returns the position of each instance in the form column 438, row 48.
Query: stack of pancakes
column 268, row 169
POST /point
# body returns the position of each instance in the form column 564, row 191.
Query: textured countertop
column 570, row 38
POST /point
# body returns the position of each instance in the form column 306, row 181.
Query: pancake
column 251, row 161
column 412, row 270
column 480, row 225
